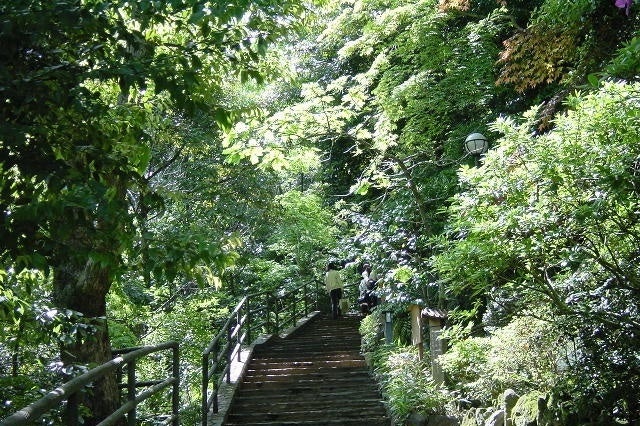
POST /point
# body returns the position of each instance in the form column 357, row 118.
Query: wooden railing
column 259, row 313
column 71, row 390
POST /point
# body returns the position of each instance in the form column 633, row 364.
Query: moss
column 526, row 411
column 469, row 419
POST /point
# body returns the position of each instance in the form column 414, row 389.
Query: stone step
column 337, row 340
column 309, row 383
column 320, row 401
column 334, row 337
column 256, row 374
column 336, row 376
column 301, row 414
column 328, row 362
column 371, row 421
column 315, row 376
column 309, row 357
column 250, row 396
column 305, row 394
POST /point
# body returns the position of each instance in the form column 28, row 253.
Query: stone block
column 438, row 420
column 509, row 399
column 496, row 419
column 527, row 410
column 469, row 418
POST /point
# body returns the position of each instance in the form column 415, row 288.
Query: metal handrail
column 258, row 312
column 70, row 390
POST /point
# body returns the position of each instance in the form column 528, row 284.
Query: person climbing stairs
column 315, row 376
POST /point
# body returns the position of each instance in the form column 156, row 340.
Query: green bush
column 370, row 332
column 121, row 336
column 466, row 367
column 407, row 383
column 525, row 355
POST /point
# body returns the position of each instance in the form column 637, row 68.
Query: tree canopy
column 161, row 158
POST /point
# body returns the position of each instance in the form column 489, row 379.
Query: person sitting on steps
column 367, row 298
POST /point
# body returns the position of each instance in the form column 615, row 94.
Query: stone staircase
column 315, row 376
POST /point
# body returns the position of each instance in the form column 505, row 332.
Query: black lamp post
column 476, row 144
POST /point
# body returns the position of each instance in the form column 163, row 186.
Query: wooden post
column 416, row 329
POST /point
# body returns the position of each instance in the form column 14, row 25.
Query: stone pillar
column 388, row 327
column 437, row 346
column 509, row 399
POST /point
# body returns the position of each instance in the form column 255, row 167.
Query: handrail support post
column 131, row 391
column 175, row 397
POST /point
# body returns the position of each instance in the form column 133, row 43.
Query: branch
column 166, row 165
column 416, row 193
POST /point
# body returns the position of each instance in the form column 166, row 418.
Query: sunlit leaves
column 537, row 55
column 552, row 221
column 402, row 274
column 626, row 63
column 360, row 188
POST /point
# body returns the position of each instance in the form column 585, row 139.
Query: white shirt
column 332, row 280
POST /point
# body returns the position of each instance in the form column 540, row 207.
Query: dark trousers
column 336, row 295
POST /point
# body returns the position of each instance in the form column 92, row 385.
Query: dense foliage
column 157, row 162
column 111, row 168
column 549, row 224
column 543, row 228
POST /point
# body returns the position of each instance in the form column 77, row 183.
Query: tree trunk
column 84, row 289
column 417, row 197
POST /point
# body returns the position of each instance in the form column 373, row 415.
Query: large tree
column 82, row 82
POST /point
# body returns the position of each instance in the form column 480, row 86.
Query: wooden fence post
column 416, row 329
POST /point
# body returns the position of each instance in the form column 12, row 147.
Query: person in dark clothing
column 368, row 298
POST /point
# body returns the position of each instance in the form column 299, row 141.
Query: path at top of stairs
column 316, row 376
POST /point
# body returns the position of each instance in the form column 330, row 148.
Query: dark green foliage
column 124, row 174
column 551, row 223
column 95, row 96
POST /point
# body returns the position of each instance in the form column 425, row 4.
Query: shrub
column 466, row 366
column 370, row 332
column 525, row 355
column 407, row 383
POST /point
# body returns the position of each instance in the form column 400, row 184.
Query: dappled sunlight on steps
column 316, row 376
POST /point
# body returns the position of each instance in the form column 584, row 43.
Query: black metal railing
column 259, row 313
column 255, row 314
column 70, row 391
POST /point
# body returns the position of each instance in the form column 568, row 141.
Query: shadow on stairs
column 314, row 376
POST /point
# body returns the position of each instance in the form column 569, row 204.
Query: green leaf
column 360, row 188
column 594, row 81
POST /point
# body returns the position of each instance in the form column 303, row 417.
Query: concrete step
column 315, row 376
column 301, row 414
column 372, row 421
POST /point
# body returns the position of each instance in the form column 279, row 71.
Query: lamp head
column 476, row 144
